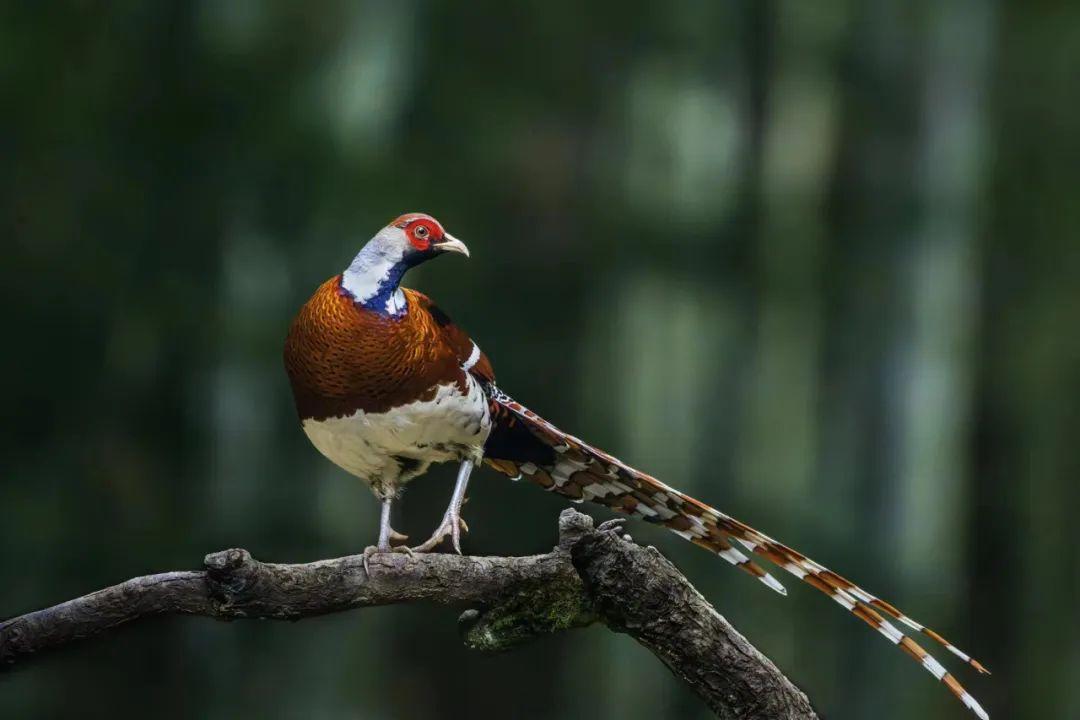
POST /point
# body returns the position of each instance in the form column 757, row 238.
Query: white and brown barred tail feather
column 524, row 444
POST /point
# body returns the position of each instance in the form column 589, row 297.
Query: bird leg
column 452, row 525
column 386, row 534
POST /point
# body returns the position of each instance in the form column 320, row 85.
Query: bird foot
column 452, row 526
column 376, row 550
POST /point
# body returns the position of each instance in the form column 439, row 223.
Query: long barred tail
column 524, row 444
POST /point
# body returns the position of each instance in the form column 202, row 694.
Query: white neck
column 373, row 276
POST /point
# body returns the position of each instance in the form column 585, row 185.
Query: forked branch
column 592, row 575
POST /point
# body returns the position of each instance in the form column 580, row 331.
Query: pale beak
column 452, row 244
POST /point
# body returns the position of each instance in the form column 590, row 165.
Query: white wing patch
column 474, row 357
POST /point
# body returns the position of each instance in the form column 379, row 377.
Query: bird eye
column 421, row 231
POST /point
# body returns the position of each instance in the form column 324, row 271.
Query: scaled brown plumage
column 342, row 358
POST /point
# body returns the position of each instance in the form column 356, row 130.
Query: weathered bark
column 636, row 590
column 593, row 575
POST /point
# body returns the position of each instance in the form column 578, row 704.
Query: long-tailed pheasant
column 385, row 385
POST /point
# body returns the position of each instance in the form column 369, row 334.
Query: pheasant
column 386, row 385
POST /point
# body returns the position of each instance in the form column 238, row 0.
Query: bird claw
column 376, row 550
column 452, row 527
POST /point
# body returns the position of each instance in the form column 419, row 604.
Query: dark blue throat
column 387, row 285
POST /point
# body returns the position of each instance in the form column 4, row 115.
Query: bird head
column 373, row 277
column 416, row 237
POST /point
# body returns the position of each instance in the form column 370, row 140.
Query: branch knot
column 229, row 574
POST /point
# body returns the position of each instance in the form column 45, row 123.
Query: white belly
column 388, row 449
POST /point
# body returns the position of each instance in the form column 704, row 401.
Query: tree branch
column 593, row 575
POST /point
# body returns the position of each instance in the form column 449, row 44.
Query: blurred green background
column 815, row 263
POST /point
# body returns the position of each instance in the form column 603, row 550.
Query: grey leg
column 384, row 527
column 457, row 499
column 452, row 524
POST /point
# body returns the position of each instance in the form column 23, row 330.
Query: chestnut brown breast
column 342, row 357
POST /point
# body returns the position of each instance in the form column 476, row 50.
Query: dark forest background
column 815, row 263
